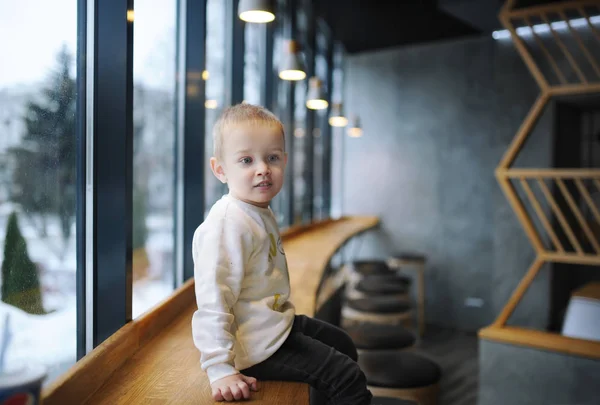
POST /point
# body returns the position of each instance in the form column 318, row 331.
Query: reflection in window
column 253, row 52
column 37, row 183
column 320, row 130
column 300, row 131
column 300, row 134
column 216, row 56
column 337, row 134
column 154, row 44
column 280, row 203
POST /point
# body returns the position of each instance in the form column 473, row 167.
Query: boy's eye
column 273, row 158
column 246, row 160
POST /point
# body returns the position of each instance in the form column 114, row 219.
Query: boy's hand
column 233, row 388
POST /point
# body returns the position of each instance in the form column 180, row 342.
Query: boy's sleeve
column 221, row 253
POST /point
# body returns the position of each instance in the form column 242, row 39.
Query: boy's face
column 252, row 163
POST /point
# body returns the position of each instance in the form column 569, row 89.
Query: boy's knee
column 353, row 384
column 346, row 345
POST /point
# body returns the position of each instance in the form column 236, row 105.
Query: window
column 38, row 182
column 301, row 165
column 154, row 45
column 337, row 134
column 281, row 108
column 254, row 47
column 214, row 75
column 41, row 114
column 300, row 158
column 321, row 132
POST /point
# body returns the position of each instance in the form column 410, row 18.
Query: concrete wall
column 519, row 375
column 437, row 119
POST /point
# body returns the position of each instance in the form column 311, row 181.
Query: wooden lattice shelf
column 563, row 57
column 563, row 62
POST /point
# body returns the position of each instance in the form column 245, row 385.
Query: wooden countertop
column 541, row 340
column 152, row 360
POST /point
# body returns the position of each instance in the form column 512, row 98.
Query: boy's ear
column 217, row 169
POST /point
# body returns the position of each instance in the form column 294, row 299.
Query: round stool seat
column 393, row 369
column 373, row 336
column 384, row 284
column 390, row 401
column 411, row 257
column 365, row 267
column 380, row 305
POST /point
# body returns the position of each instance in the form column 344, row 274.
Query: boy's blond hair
column 243, row 113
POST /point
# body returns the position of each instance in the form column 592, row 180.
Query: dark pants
column 321, row 355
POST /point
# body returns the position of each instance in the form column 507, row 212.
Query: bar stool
column 386, row 310
column 413, row 261
column 368, row 267
column 372, row 277
column 403, row 375
column 370, row 286
column 369, row 336
column 376, row 294
column 384, row 284
column 390, row 401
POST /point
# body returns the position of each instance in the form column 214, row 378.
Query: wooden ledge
column 542, row 340
column 152, row 359
column 308, row 253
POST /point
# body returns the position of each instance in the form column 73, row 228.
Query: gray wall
column 437, row 119
column 535, row 377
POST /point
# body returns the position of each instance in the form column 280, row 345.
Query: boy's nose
column 263, row 169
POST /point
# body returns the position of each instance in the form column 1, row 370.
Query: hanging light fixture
column 355, row 130
column 211, row 104
column 336, row 118
column 291, row 66
column 315, row 99
column 256, row 11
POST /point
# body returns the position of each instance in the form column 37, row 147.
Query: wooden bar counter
column 152, row 360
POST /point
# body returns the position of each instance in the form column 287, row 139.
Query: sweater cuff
column 219, row 371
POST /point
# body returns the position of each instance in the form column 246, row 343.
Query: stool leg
column 421, row 299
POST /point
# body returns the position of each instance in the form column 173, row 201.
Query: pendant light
column 291, row 66
column 315, row 99
column 336, row 118
column 211, row 104
column 355, row 130
column 256, row 11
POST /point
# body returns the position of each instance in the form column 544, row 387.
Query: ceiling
column 365, row 25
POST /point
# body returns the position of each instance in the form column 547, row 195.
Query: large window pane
column 216, row 55
column 337, row 134
column 37, row 182
column 254, row 48
column 300, row 186
column 154, row 44
column 320, row 130
column 281, row 89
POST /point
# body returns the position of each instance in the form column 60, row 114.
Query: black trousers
column 321, row 355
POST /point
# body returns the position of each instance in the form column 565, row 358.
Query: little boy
column 245, row 327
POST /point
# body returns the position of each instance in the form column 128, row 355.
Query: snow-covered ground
column 50, row 340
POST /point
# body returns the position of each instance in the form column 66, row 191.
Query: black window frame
column 104, row 138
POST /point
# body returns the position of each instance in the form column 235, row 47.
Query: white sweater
column 242, row 288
